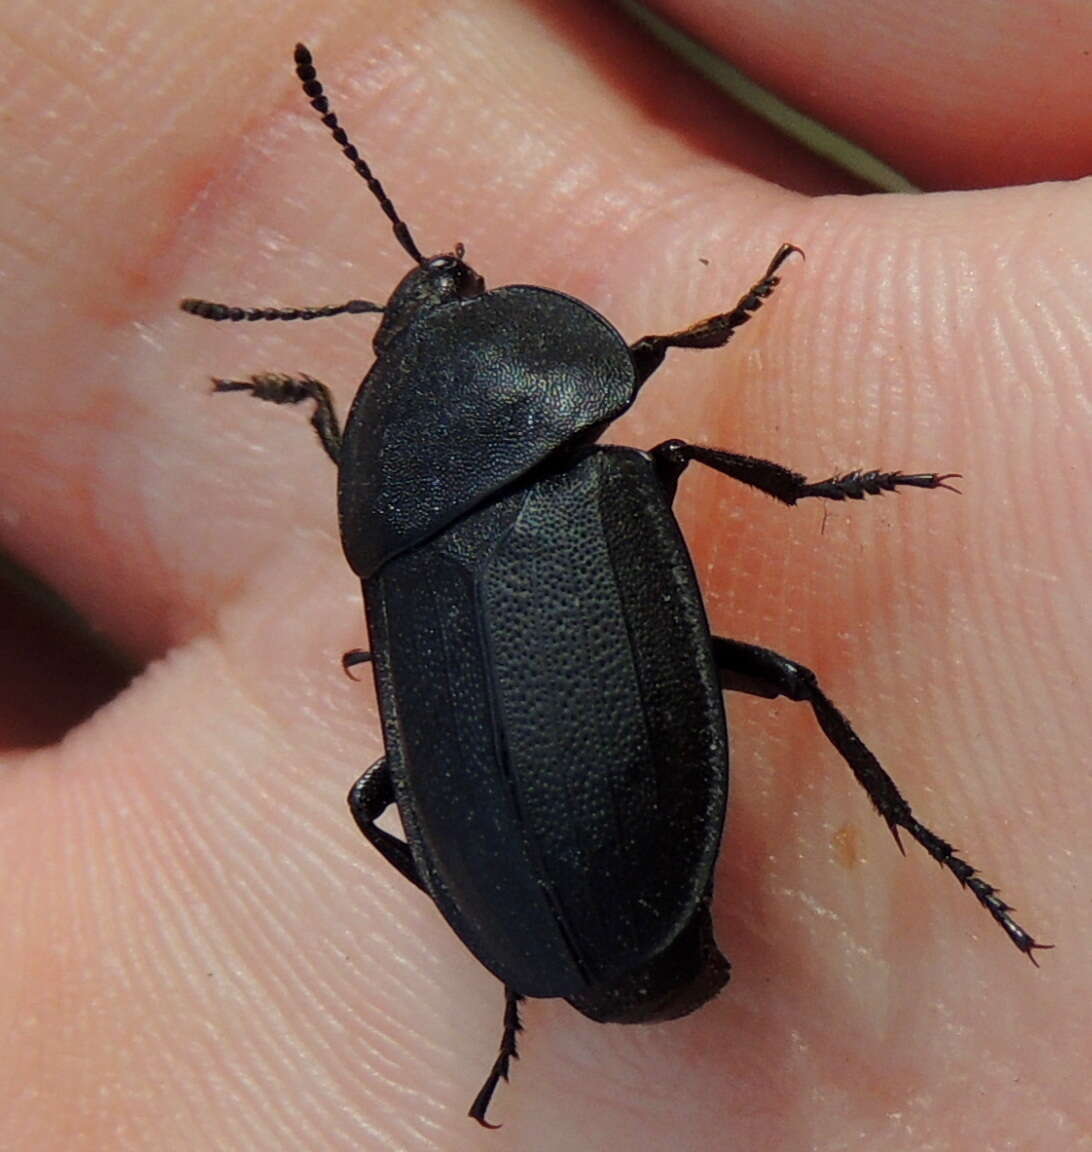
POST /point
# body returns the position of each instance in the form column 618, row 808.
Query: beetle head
column 434, row 280
column 437, row 280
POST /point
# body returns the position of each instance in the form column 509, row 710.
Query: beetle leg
column 715, row 331
column 783, row 484
column 369, row 798
column 760, row 672
column 352, row 658
column 280, row 389
column 507, row 1053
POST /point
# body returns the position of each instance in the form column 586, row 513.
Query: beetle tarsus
column 758, row 671
column 507, row 1053
column 986, row 894
column 714, row 331
column 672, row 457
column 857, row 485
column 278, row 388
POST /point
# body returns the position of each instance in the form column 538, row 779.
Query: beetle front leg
column 280, row 389
column 760, row 672
column 369, row 798
column 672, row 456
column 507, row 1053
column 715, row 331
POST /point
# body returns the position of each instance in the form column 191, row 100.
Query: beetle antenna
column 305, row 70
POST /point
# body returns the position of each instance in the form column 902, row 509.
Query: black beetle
column 555, row 735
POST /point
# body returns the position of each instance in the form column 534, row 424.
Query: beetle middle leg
column 672, row 457
column 507, row 1053
column 760, row 672
column 352, row 658
column 278, row 388
column 369, row 798
column 715, row 331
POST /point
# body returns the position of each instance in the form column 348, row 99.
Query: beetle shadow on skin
column 674, row 97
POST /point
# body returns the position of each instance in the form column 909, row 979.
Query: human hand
column 201, row 951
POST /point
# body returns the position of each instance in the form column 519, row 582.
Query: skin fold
column 197, row 949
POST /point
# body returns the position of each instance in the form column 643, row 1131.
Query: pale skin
column 198, row 949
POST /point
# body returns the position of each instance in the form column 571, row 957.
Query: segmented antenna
column 210, row 310
column 305, row 70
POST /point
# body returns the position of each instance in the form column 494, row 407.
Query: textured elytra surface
column 549, row 675
column 465, row 401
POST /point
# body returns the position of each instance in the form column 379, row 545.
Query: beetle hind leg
column 508, row 1052
column 760, row 672
column 278, row 388
column 369, row 798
